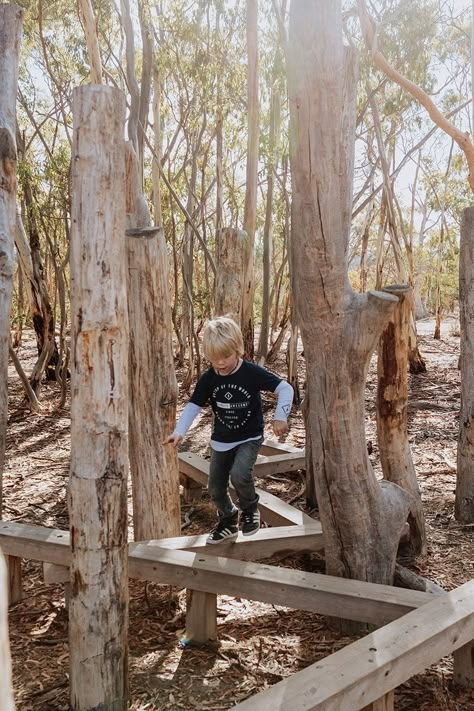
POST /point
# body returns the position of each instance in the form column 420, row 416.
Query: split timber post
column 6, row 695
column 11, row 22
column 392, row 417
column 98, row 613
column 231, row 255
column 464, row 503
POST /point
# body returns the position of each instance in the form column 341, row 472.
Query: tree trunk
column 98, row 613
column 392, row 420
column 464, row 505
column 6, row 696
column 157, row 139
column 90, row 31
column 250, row 210
column 41, row 310
column 362, row 520
column 153, row 387
column 273, row 141
column 230, row 260
column 11, row 20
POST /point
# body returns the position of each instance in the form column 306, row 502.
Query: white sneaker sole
column 223, row 540
column 251, row 533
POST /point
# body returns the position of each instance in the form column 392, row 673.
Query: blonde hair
column 222, row 337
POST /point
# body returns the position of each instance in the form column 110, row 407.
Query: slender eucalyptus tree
column 250, row 211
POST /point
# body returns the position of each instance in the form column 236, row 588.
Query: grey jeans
column 237, row 465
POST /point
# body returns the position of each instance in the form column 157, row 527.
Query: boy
column 232, row 386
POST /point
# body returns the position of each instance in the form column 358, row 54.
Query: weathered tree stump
column 464, row 504
column 392, row 420
column 98, row 613
column 231, row 255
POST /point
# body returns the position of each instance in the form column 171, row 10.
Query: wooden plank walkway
column 348, row 599
column 366, row 671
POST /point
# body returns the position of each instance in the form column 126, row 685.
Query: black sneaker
column 223, row 532
column 250, row 522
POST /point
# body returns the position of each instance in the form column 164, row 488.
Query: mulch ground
column 259, row 644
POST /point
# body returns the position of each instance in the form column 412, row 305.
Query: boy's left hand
column 280, row 427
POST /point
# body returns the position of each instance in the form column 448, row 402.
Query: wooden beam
column 279, row 463
column 274, row 511
column 50, row 545
column 15, row 585
column 268, row 542
column 270, row 447
column 34, row 542
column 370, row 668
column 53, row 573
column 350, row 599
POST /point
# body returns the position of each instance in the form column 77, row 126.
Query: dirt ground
column 259, row 644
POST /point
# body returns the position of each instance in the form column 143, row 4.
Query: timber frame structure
column 415, row 629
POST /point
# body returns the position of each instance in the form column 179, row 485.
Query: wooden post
column 232, row 249
column 98, row 614
column 58, row 574
column 192, row 490
column 464, row 665
column 15, row 588
column 392, row 419
column 153, row 386
column 464, row 504
column 201, row 616
column 11, row 18
column 6, row 694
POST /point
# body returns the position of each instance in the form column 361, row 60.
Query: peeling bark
column 362, row 521
column 98, row 613
column 233, row 245
column 392, row 420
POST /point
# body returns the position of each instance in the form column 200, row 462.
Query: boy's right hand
column 173, row 439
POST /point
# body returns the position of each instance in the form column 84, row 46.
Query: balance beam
column 327, row 595
column 274, row 511
column 369, row 669
column 270, row 447
column 47, row 544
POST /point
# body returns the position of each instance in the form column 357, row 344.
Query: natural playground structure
column 118, row 274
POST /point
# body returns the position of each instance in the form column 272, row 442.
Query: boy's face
column 225, row 363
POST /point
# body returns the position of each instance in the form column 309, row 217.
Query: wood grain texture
column 464, row 503
column 98, row 613
column 377, row 604
column 367, row 670
column 153, row 387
